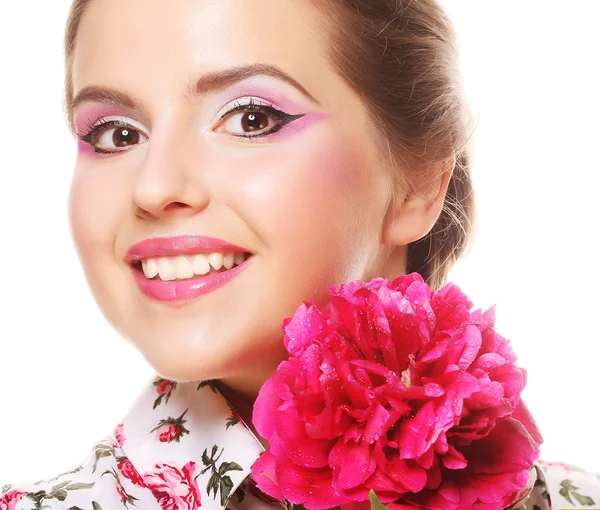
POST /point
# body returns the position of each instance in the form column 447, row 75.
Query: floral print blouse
column 181, row 446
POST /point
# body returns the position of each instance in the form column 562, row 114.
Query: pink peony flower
column 119, row 435
column 167, row 433
column 127, row 469
column 399, row 389
column 164, row 387
column 174, row 488
column 11, row 499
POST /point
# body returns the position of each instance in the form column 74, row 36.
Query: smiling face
column 306, row 195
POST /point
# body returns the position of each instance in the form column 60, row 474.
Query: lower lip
column 181, row 290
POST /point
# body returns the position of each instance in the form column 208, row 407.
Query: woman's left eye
column 253, row 120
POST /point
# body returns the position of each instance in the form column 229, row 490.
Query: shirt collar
column 175, row 423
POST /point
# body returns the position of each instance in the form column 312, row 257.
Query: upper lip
column 185, row 244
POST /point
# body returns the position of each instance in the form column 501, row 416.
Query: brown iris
column 125, row 136
column 252, row 121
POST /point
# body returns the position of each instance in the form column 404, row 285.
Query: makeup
column 90, row 115
column 181, row 290
column 188, row 244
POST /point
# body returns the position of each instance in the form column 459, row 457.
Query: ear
column 412, row 219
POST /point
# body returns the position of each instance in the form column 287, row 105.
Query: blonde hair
column 401, row 56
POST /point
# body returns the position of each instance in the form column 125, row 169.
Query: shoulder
column 570, row 486
column 103, row 480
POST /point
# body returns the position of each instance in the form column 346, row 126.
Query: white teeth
column 187, row 266
column 183, row 268
column 150, row 267
column 216, row 260
column 228, row 261
column 166, row 271
column 200, row 264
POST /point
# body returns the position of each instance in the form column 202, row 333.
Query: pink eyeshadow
column 89, row 114
column 296, row 126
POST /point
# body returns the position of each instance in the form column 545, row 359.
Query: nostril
column 176, row 205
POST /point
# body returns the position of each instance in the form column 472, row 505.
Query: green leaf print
column 95, row 506
column 583, row 500
column 48, row 480
column 219, row 481
column 61, row 485
column 210, row 383
column 231, row 421
column 568, row 489
column 229, row 466
column 58, row 492
column 60, row 495
column 102, row 450
column 226, row 484
column 128, row 499
column 79, row 486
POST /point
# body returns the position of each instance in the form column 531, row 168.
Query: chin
column 191, row 361
column 182, row 368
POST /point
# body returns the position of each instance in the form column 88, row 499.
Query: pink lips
column 178, row 290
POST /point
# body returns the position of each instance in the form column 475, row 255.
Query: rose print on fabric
column 177, row 485
column 171, row 429
column 174, row 488
column 219, row 480
column 234, row 418
column 119, row 436
column 164, row 388
column 11, row 498
column 126, row 468
column 126, row 499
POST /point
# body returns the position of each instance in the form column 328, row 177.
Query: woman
column 234, row 159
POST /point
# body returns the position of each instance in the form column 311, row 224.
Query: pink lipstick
column 189, row 244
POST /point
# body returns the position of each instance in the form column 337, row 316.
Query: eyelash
column 100, row 126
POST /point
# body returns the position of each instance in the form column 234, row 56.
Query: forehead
column 161, row 43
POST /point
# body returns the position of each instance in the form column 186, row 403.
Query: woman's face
column 297, row 183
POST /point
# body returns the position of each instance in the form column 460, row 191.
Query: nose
column 169, row 180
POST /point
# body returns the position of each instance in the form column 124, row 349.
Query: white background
column 530, row 69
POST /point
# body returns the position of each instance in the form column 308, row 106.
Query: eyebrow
column 206, row 84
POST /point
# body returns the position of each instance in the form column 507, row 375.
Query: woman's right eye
column 107, row 137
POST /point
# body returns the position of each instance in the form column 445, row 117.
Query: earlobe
column 412, row 219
